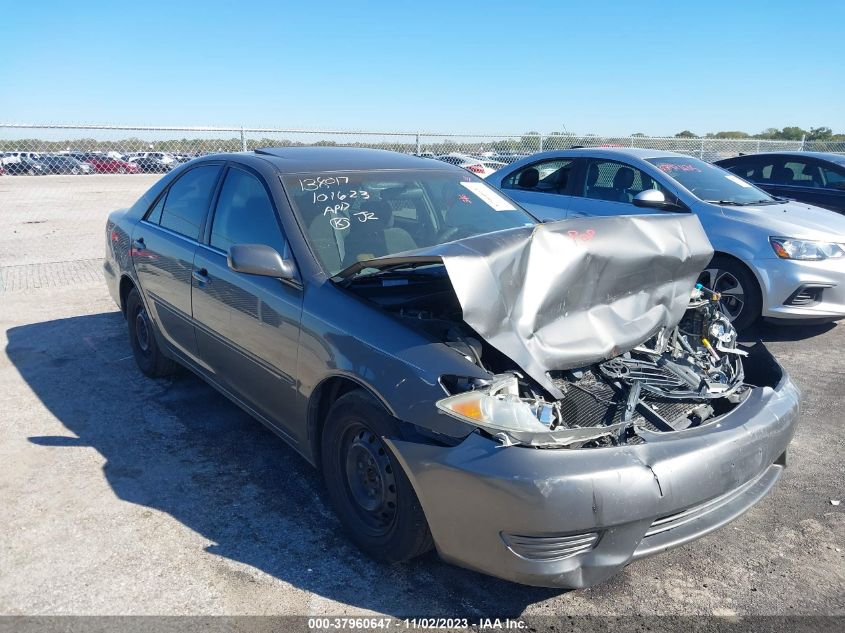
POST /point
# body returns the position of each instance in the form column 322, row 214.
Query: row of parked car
column 77, row 163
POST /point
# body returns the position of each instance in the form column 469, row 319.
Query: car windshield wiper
column 736, row 203
column 383, row 265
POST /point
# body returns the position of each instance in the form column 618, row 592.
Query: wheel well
column 744, row 266
column 319, row 404
column 126, row 286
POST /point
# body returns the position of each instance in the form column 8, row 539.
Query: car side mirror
column 260, row 259
column 650, row 198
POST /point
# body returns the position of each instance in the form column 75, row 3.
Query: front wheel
column 741, row 301
column 369, row 490
column 148, row 354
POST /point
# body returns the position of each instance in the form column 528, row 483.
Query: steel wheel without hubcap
column 725, row 283
column 142, row 337
column 370, row 479
column 142, row 331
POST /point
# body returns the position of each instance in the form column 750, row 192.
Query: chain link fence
column 133, row 157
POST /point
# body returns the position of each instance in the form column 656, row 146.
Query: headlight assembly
column 789, row 248
column 502, row 412
column 497, row 407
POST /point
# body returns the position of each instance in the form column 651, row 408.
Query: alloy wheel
column 724, row 282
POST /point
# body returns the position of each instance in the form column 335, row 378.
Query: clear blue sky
column 482, row 66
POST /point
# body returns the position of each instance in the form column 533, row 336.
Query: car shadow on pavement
column 772, row 331
column 177, row 446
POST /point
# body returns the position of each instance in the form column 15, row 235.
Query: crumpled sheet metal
column 571, row 293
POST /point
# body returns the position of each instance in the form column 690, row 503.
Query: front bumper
column 781, row 278
column 573, row 518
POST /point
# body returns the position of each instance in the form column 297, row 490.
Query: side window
column 616, row 182
column 803, row 174
column 551, row 176
column 834, row 178
column 245, row 214
column 188, row 199
column 154, row 216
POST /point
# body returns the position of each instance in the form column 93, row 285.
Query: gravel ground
column 122, row 495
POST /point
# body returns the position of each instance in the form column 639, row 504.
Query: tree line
column 789, row 133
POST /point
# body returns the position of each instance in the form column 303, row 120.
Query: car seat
column 782, row 175
column 375, row 236
column 622, row 181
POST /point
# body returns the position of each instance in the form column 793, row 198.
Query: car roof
column 835, row 158
column 609, row 152
column 294, row 160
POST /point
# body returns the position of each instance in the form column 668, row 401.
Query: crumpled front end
column 574, row 517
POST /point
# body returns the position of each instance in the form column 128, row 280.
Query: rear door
column 545, row 187
column 247, row 325
column 163, row 246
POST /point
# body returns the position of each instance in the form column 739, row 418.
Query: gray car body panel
column 741, row 232
column 340, row 336
column 478, row 490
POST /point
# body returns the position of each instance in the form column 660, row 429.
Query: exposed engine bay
column 681, row 378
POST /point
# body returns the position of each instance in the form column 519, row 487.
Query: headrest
column 592, row 174
column 529, row 178
column 375, row 215
column 624, row 178
column 782, row 174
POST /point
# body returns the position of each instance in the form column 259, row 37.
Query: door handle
column 201, row 276
column 138, row 244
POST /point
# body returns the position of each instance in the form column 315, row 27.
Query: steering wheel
column 456, row 232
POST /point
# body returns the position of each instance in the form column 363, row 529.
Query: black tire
column 142, row 337
column 370, row 493
column 741, row 298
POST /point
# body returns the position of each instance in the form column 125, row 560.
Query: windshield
column 350, row 217
column 710, row 183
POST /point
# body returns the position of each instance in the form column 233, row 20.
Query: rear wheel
column 741, row 301
column 369, row 490
column 148, row 354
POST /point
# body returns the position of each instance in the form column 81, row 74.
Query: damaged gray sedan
column 540, row 402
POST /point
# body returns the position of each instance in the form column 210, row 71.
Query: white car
column 162, row 157
column 8, row 158
column 477, row 166
column 773, row 257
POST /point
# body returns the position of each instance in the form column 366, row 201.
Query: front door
column 608, row 187
column 247, row 326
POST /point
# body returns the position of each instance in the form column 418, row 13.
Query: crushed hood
column 571, row 293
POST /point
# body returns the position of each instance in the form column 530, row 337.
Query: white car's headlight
column 789, row 248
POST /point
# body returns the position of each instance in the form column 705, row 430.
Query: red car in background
column 108, row 165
